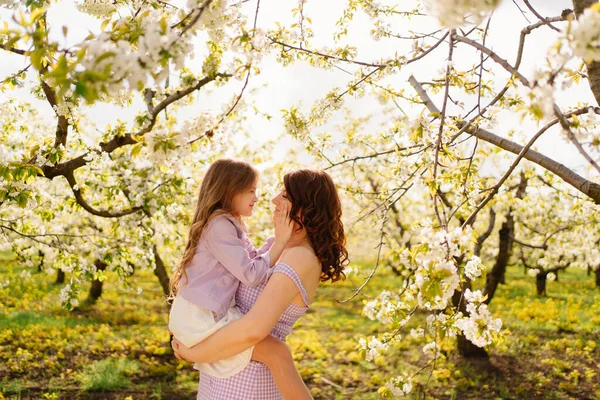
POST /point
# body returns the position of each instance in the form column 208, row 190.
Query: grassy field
column 118, row 348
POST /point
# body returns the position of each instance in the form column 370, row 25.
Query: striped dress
column 255, row 381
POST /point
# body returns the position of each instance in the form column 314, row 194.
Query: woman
column 315, row 253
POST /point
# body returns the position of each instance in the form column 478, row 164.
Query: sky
column 300, row 84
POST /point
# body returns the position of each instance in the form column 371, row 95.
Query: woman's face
column 281, row 200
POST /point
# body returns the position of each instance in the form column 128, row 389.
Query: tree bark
column 593, row 68
column 597, row 272
column 41, row 264
column 540, row 283
column 494, row 277
column 60, row 276
column 96, row 288
column 506, row 235
column 464, row 346
column 161, row 272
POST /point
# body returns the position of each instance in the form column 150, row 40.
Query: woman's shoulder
column 302, row 259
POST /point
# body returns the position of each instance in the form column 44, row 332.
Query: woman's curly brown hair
column 316, row 207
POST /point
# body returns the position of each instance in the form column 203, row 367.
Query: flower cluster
column 9, row 3
column 387, row 308
column 473, row 268
column 400, row 385
column 97, row 8
column 455, row 13
column 480, row 328
column 120, row 62
column 584, row 34
column 436, row 273
column 373, row 348
column 542, row 101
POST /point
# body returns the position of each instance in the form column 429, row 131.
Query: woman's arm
column 245, row 332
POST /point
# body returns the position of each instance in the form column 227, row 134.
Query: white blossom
column 431, row 350
column 455, row 13
column 473, row 268
column 25, row 274
column 373, row 347
column 584, row 34
column 400, row 385
column 480, row 328
column 97, row 8
column 417, row 333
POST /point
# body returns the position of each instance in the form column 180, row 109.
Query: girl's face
column 243, row 203
column 280, row 200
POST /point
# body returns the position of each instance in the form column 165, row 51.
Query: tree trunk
column 96, row 288
column 589, row 270
column 494, row 277
column 60, row 276
column 465, row 347
column 597, row 272
column 161, row 272
column 41, row 264
column 592, row 67
column 506, row 235
column 556, row 273
column 540, row 283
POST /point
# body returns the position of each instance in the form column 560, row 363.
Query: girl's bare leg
column 275, row 354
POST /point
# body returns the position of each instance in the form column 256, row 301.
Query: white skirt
column 191, row 324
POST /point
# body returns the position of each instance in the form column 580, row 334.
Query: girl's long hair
column 316, row 206
column 224, row 179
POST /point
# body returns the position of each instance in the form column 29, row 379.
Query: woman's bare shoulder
column 302, row 259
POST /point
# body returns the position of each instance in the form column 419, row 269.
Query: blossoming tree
column 436, row 131
column 437, row 138
column 86, row 198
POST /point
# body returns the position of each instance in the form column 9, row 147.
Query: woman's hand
column 180, row 350
column 284, row 225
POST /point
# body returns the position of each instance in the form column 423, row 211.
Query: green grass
column 108, row 374
column 119, row 347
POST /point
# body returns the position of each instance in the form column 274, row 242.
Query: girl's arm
column 247, row 331
column 225, row 245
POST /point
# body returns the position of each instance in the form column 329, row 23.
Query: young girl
column 218, row 256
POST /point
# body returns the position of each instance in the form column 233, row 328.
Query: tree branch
column 118, row 141
column 505, row 64
column 565, row 125
column 62, row 126
column 533, row 10
column 13, row 50
column 589, row 188
column 327, row 56
column 81, row 201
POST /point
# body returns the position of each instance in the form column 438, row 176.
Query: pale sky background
column 300, row 84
